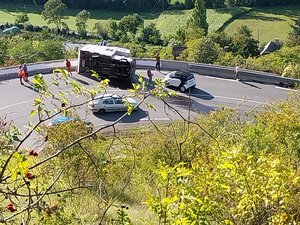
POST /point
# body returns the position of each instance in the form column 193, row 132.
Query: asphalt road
column 210, row 94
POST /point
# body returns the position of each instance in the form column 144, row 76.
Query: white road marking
column 19, row 103
column 220, row 78
column 143, row 119
column 193, row 95
column 156, row 119
column 286, row 89
column 231, row 98
column 24, row 102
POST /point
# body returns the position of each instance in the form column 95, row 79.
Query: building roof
column 270, row 47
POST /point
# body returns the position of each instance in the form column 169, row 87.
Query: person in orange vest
column 68, row 66
column 21, row 74
column 25, row 78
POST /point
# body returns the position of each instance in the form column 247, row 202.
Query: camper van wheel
column 101, row 111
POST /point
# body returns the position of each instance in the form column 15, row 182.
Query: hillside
column 167, row 22
column 267, row 23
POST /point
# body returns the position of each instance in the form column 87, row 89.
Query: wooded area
column 147, row 5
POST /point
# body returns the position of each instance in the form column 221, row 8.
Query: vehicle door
column 190, row 81
column 109, row 105
column 175, row 81
column 119, row 104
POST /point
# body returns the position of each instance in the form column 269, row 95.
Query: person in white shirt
column 237, row 69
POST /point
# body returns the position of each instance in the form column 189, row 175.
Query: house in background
column 272, row 46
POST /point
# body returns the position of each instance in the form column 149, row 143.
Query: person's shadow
column 30, row 86
column 80, row 81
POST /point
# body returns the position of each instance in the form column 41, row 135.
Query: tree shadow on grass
column 255, row 16
column 289, row 10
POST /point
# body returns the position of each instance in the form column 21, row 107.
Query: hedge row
column 63, row 31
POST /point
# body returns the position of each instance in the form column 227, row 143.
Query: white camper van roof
column 112, row 52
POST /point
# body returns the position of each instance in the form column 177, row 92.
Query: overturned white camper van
column 107, row 61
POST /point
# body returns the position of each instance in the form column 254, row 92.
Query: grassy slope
column 272, row 23
column 167, row 22
column 267, row 24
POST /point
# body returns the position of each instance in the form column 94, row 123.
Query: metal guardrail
column 199, row 68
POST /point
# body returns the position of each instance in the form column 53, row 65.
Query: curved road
column 210, row 94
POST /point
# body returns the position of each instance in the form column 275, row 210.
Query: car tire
column 101, row 111
column 182, row 89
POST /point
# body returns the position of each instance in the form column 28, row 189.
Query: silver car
column 110, row 103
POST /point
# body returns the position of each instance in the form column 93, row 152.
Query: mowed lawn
column 267, row 24
column 167, row 22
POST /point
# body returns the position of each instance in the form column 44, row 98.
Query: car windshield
column 190, row 77
column 61, row 119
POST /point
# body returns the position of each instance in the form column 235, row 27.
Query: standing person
column 68, row 66
column 21, row 74
column 157, row 66
column 237, row 70
column 150, row 75
column 25, row 72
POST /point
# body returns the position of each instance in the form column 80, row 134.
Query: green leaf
column 33, row 112
column 37, row 101
column 151, row 106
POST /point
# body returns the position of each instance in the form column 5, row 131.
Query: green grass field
column 267, row 24
column 167, row 22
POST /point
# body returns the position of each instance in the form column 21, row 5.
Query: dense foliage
column 148, row 5
column 27, row 48
column 198, row 18
column 226, row 167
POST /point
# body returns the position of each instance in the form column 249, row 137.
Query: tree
column 131, row 23
column 244, row 44
column 222, row 39
column 198, row 18
column 112, row 27
column 35, row 185
column 81, row 20
column 3, row 50
column 194, row 33
column 214, row 3
column 53, row 12
column 189, row 4
column 151, row 35
column 101, row 29
column 294, row 35
column 23, row 18
column 202, row 50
